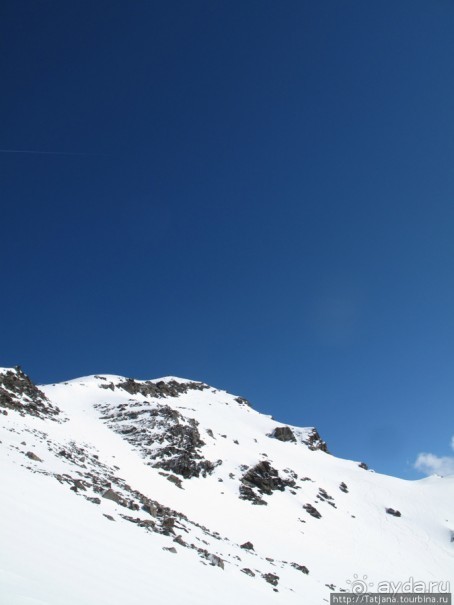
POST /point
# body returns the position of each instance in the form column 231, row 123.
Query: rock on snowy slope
column 17, row 392
column 180, row 467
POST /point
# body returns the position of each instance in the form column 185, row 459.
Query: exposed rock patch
column 17, row 392
column 301, row 568
column 166, row 438
column 283, row 433
column 394, row 513
column 312, row 511
column 243, row 401
column 271, row 578
column 33, row 456
column 262, row 479
column 170, row 388
column 315, row 442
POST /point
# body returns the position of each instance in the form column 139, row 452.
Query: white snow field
column 116, row 491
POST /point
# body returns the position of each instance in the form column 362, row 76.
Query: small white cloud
column 430, row 464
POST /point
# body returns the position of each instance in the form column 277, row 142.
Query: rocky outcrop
column 271, row 578
column 301, row 568
column 262, row 479
column 243, row 401
column 315, row 442
column 17, row 392
column 33, row 456
column 283, row 433
column 215, row 560
column 170, row 388
column 323, row 496
column 394, row 513
column 166, row 439
column 110, row 494
column 312, row 511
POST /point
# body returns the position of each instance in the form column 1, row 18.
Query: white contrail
column 37, row 152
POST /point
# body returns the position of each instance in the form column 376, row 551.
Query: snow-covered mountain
column 170, row 491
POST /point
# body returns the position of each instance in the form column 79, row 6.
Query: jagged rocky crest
column 17, row 392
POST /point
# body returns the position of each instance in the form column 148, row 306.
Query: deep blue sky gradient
column 264, row 202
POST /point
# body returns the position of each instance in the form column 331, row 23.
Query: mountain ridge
column 222, row 484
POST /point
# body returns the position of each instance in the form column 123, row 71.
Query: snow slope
column 102, row 475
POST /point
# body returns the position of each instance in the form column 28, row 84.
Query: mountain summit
column 117, row 490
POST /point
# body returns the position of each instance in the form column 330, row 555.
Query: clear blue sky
column 263, row 201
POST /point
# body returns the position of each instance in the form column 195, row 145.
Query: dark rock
column 215, row 561
column 185, row 465
column 283, row 433
column 171, row 549
column 315, row 442
column 343, row 487
column 152, row 508
column 145, row 523
column 179, row 540
column 394, row 513
column 271, row 578
column 160, row 389
column 363, row 465
column 247, row 493
column 110, row 494
column 33, row 456
column 312, row 511
column 325, row 497
column 157, row 424
column 247, row 546
column 301, row 568
column 174, row 479
column 243, row 401
column 17, row 392
column 265, row 479
column 248, row 572
column 168, row 524
column 110, row 386
column 109, row 517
